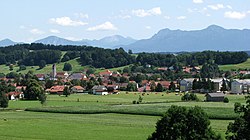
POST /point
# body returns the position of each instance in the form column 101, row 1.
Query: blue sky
column 28, row 20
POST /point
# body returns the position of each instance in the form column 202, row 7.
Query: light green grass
column 30, row 125
column 111, row 69
column 244, row 65
column 153, row 104
column 76, row 67
column 103, row 125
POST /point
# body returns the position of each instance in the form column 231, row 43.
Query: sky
column 29, row 20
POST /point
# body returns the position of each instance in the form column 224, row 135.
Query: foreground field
column 30, row 125
column 102, row 117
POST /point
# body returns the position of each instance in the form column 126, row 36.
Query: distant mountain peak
column 7, row 42
column 215, row 27
column 213, row 37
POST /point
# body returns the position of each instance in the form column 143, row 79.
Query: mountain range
column 211, row 38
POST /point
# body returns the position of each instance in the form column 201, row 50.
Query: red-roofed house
column 77, row 89
column 106, row 73
column 20, row 88
column 56, row 90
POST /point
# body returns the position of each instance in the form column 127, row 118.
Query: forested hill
column 33, row 54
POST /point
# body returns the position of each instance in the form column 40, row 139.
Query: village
column 113, row 82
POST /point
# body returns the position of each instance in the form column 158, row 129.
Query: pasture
column 82, row 116
column 244, row 65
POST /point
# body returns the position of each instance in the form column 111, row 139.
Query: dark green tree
column 159, row 88
column 131, row 87
column 42, row 98
column 4, row 101
column 180, row 123
column 172, row 86
column 224, row 86
column 42, row 64
column 239, row 129
column 67, row 67
column 210, row 70
column 33, row 90
column 66, row 91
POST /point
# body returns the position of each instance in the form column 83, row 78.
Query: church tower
column 54, row 71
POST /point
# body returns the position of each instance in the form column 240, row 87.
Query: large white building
column 240, row 86
column 186, row 84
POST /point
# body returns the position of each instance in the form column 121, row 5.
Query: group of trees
column 106, row 58
column 40, row 55
column 203, row 83
column 182, row 123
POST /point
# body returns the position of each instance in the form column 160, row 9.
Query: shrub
column 226, row 100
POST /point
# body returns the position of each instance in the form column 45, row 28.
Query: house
column 62, row 75
column 240, row 86
column 145, row 88
column 20, row 88
column 106, row 73
column 217, row 84
column 77, row 89
column 122, row 86
column 41, row 77
column 165, row 84
column 162, row 69
column 77, row 76
column 56, row 90
column 100, row 90
column 186, row 84
column 215, row 97
column 15, row 95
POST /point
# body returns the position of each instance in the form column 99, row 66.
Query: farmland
column 244, row 65
column 111, row 116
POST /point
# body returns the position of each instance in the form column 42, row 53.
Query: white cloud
column 124, row 16
column 82, row 15
column 197, row 1
column 148, row 27
column 216, row 7
column 234, row 15
column 67, row 21
column 103, row 27
column 229, row 7
column 248, row 12
column 36, row 31
column 181, row 17
column 143, row 13
column 54, row 31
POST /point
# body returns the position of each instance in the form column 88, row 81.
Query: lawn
column 102, row 117
column 33, row 125
column 76, row 67
column 244, row 65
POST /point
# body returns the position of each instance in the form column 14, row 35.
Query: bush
column 189, row 97
column 226, row 100
column 183, row 123
column 134, row 102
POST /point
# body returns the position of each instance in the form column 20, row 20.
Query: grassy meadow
column 82, row 116
column 244, row 65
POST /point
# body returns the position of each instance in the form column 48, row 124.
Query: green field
column 102, row 117
column 76, row 67
column 244, row 65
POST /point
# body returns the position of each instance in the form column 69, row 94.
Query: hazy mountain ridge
column 54, row 40
column 7, row 42
column 211, row 38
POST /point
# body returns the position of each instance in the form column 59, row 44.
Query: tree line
column 34, row 53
